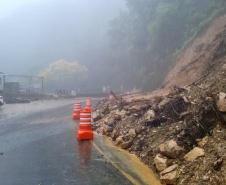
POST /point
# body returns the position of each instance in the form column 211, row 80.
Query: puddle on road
column 126, row 163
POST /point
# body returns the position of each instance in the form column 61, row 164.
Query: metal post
column 30, row 86
column 3, row 85
column 42, row 84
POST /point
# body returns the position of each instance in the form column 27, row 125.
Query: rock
column 96, row 116
column 106, row 110
column 149, row 115
column 221, row 151
column 109, row 128
column 217, row 164
column 203, row 142
column 111, row 122
column 171, row 149
column 94, row 125
column 206, row 178
column 222, row 95
column 138, row 130
column 155, row 107
column 114, row 107
column 119, row 140
column 221, row 104
column 117, row 117
column 160, row 162
column 126, row 144
column 104, row 131
column 193, row 154
column 224, row 67
column 143, row 154
column 163, row 103
column 114, row 135
column 137, row 107
column 169, row 175
column 132, row 132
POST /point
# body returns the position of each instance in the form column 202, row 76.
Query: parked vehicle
column 1, row 101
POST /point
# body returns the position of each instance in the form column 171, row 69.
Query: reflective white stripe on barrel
column 85, row 114
column 85, row 123
column 77, row 109
column 85, row 118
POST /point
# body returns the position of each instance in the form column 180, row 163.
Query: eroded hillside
column 179, row 129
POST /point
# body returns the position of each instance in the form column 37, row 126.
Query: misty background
column 38, row 33
column 120, row 44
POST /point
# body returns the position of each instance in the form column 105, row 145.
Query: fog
column 40, row 32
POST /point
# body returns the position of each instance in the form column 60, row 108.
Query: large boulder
column 169, row 175
column 109, row 129
column 224, row 67
column 149, row 115
column 132, row 132
column 137, row 107
column 117, row 117
column 171, row 149
column 126, row 144
column 194, row 154
column 96, row 116
column 119, row 140
column 138, row 130
column 222, row 95
column 163, row 103
column 221, row 104
column 160, row 162
column 203, row 142
column 114, row 135
column 109, row 121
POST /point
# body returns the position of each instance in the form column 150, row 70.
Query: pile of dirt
column 179, row 130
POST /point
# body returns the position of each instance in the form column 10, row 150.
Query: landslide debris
column 164, row 131
column 181, row 133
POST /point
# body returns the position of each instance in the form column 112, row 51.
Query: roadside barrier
column 85, row 131
column 88, row 103
column 77, row 108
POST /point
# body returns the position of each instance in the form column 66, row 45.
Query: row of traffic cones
column 85, row 132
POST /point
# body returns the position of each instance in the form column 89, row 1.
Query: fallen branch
column 114, row 95
column 200, row 124
column 204, row 76
column 185, row 99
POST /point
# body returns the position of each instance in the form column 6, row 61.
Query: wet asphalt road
column 42, row 149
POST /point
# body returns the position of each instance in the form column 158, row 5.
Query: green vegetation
column 210, row 133
column 145, row 41
column 162, row 126
column 63, row 74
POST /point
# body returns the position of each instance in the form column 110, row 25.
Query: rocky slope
column 179, row 130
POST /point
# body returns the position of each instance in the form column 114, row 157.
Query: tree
column 145, row 40
column 63, row 75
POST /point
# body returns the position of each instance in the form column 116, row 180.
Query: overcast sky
column 35, row 33
column 8, row 6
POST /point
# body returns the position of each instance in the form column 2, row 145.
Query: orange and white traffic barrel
column 77, row 109
column 88, row 103
column 85, row 132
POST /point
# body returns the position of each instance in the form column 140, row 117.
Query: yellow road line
column 129, row 177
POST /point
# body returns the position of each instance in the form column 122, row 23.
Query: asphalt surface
column 42, row 149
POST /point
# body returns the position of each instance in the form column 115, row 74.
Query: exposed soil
column 186, row 110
